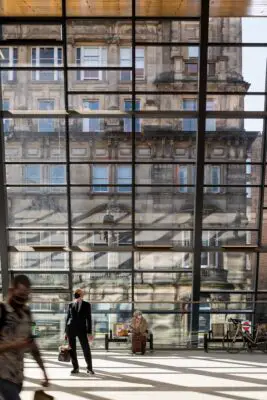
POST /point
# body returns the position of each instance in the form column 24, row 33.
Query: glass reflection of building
column 100, row 192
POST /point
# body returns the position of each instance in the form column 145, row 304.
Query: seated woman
column 139, row 330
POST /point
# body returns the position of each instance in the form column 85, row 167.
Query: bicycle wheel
column 235, row 347
column 262, row 346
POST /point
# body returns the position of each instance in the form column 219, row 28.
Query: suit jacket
column 79, row 322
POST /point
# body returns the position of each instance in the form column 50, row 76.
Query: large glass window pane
column 26, row 143
column 169, row 261
column 164, row 207
column 43, row 208
column 238, row 210
column 228, row 271
column 38, row 238
column 166, row 238
column 39, row 261
column 48, row 281
column 87, row 146
column 106, row 286
column 96, row 211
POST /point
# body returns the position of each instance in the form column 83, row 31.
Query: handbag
column 64, row 353
column 40, row 395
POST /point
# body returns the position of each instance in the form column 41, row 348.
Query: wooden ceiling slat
column 122, row 8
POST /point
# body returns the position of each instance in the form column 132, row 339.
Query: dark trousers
column 85, row 347
column 9, row 390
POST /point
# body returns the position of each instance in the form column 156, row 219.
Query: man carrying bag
column 79, row 324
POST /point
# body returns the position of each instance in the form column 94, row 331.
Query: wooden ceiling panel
column 30, row 8
column 122, row 8
column 87, row 8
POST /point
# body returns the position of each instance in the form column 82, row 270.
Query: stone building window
column 191, row 68
column 46, row 124
column 213, row 177
column 45, row 57
column 190, row 124
column 100, row 177
column 128, row 121
column 93, row 57
column 126, row 61
column 210, row 259
column 6, row 121
column 124, row 177
column 193, row 52
column 210, row 122
column 211, row 69
column 8, row 58
column 91, row 124
column 182, row 175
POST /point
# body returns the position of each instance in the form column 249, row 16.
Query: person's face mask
column 77, row 295
column 20, row 300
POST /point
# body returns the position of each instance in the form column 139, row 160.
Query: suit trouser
column 85, row 347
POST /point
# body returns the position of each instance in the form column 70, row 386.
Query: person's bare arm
column 15, row 345
column 35, row 352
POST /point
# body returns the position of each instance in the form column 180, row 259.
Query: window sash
column 215, row 177
column 210, row 122
column 91, row 124
column 100, row 176
column 124, row 177
column 126, row 61
column 12, row 60
column 190, row 124
column 32, row 174
column 128, row 121
column 193, row 52
column 46, row 124
column 37, row 60
column 92, row 57
column 183, row 179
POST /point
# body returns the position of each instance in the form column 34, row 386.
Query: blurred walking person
column 16, row 339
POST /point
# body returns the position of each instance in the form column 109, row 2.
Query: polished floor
column 186, row 375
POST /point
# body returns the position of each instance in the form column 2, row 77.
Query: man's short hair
column 21, row 280
column 79, row 291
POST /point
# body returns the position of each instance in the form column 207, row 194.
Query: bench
column 219, row 334
column 109, row 338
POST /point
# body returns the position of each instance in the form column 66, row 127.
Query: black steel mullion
column 3, row 202
column 67, row 133
column 200, row 160
column 133, row 3
column 261, row 204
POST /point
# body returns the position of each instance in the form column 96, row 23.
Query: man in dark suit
column 79, row 324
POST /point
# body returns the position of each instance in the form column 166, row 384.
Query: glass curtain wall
column 133, row 166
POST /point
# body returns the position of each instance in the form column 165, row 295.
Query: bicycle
column 248, row 342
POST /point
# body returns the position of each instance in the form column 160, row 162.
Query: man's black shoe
column 75, row 371
column 90, row 371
